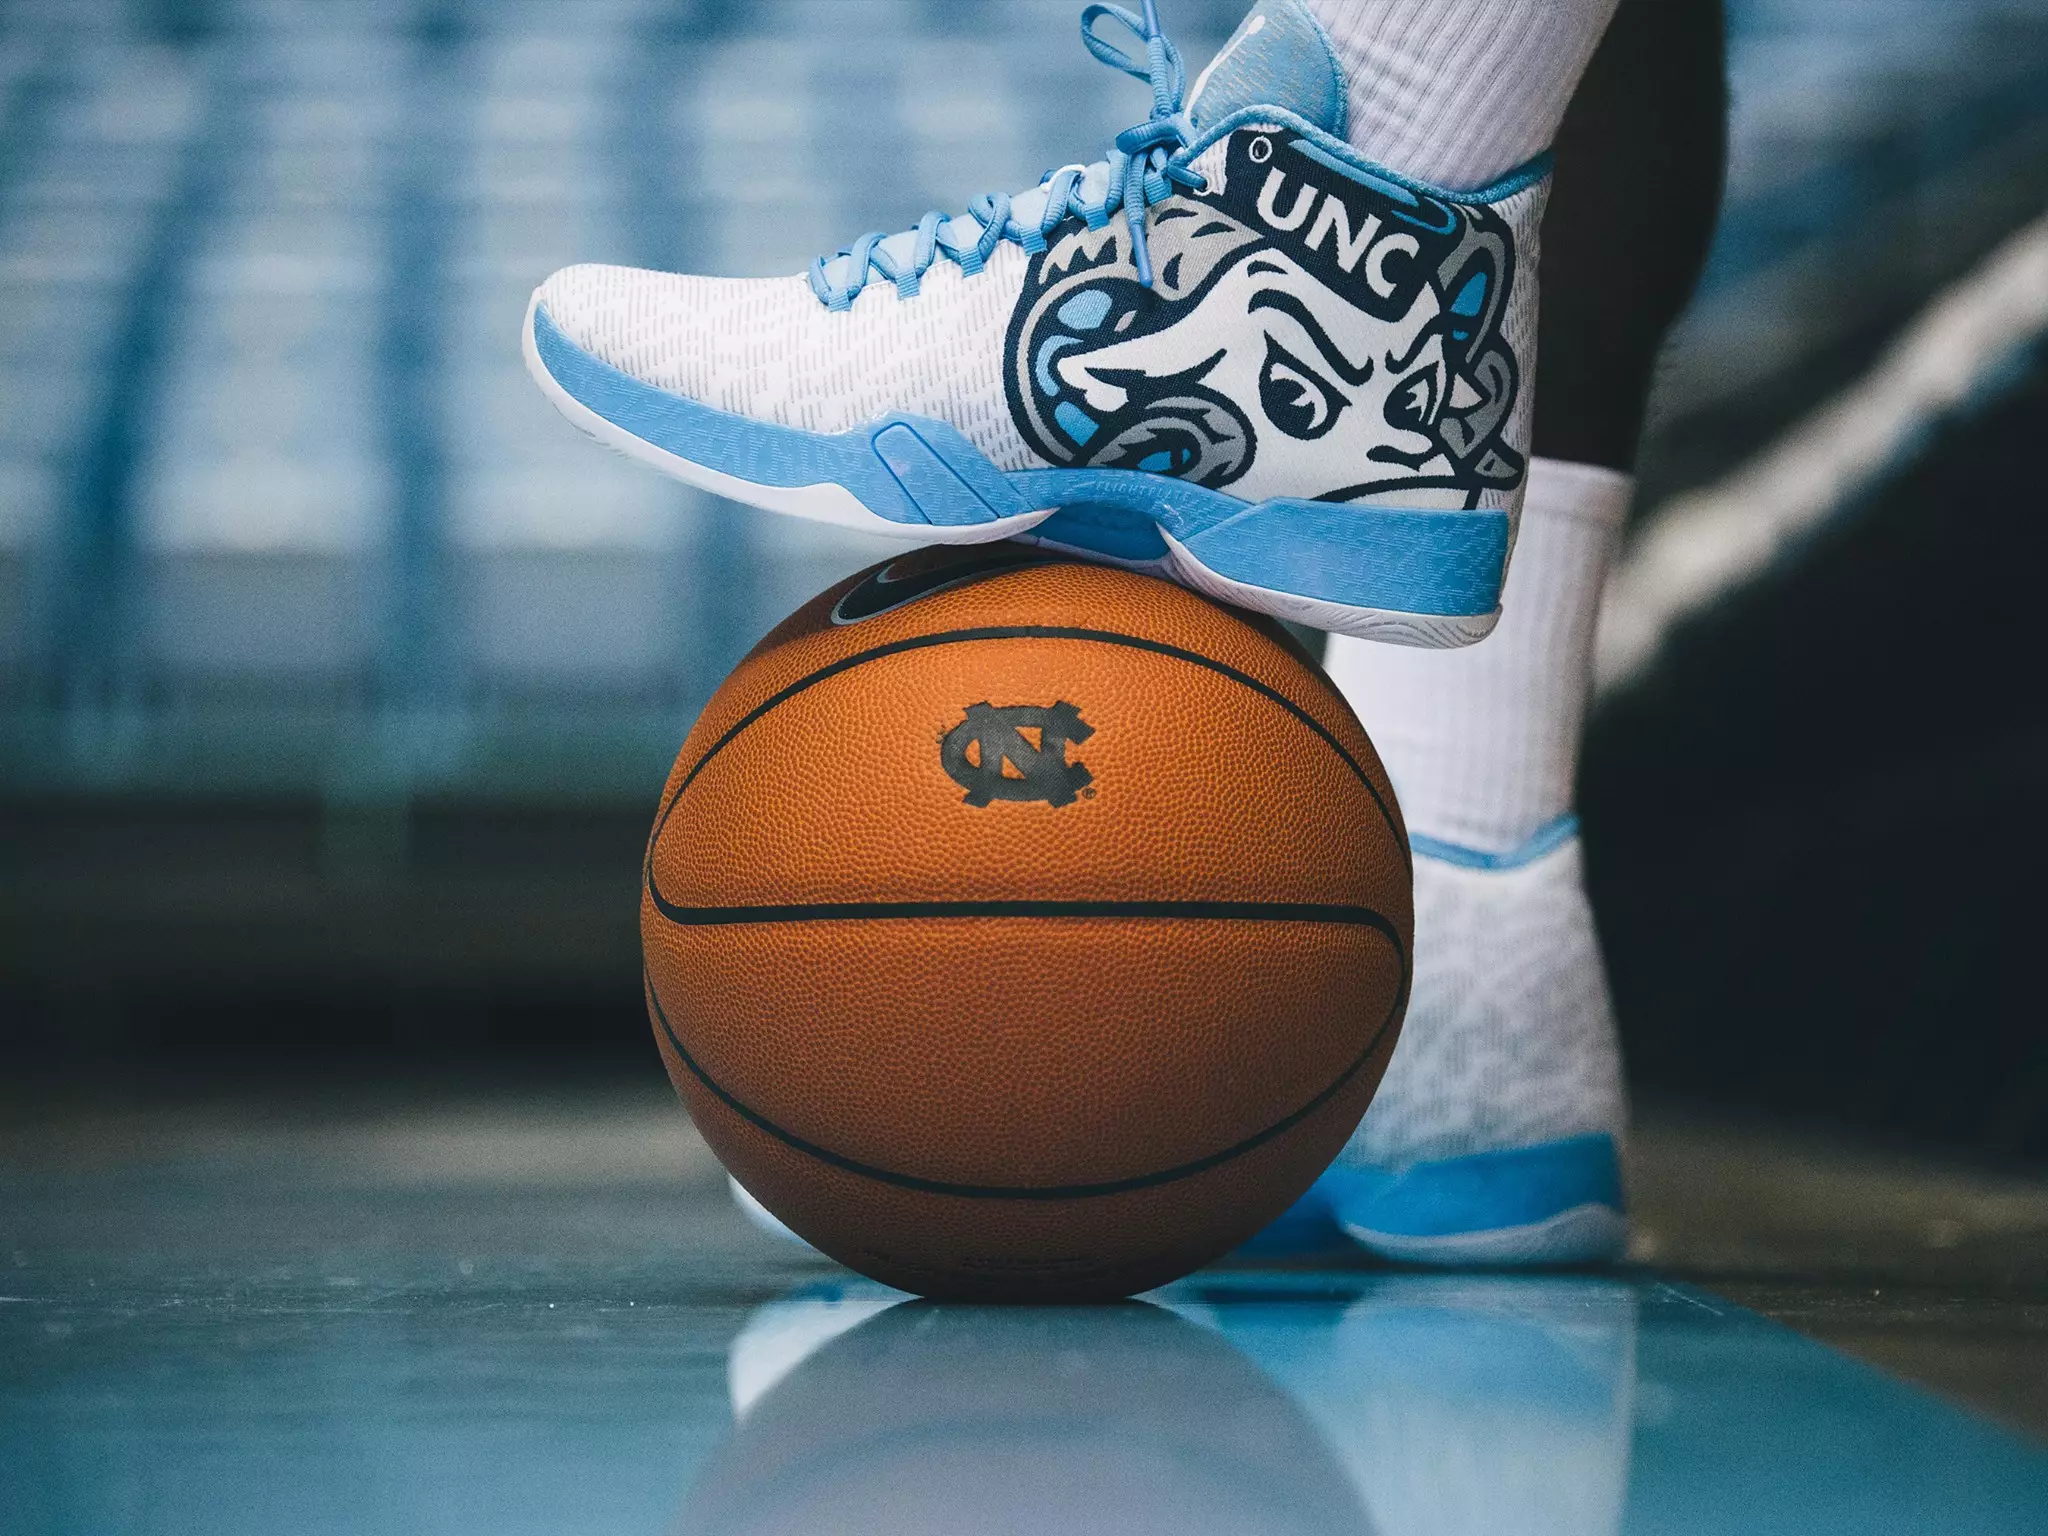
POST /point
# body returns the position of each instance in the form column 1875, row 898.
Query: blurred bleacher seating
column 330, row 659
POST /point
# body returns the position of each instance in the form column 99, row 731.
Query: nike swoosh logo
column 884, row 592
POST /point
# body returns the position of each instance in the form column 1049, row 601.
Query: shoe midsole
column 1479, row 1192
column 917, row 474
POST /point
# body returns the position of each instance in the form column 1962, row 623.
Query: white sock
column 1510, row 1037
column 1482, row 743
column 1459, row 92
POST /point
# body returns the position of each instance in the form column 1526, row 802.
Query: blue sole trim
column 1402, row 559
column 920, row 473
column 904, row 469
column 1545, row 840
column 1103, row 530
column 1306, row 1228
column 1482, row 1192
column 1456, row 1197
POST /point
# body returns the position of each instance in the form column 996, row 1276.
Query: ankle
column 1482, row 744
column 1459, row 92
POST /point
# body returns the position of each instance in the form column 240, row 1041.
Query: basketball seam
column 1129, row 1185
column 1011, row 632
column 839, row 911
column 684, row 916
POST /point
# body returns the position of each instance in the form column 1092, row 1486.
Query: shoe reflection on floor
column 1463, row 1406
column 1393, row 1404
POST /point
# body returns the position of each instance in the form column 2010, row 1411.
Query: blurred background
column 338, row 676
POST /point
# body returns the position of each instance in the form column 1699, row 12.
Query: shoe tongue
column 1277, row 57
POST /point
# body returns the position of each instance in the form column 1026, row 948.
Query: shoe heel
column 1356, row 569
column 1557, row 1202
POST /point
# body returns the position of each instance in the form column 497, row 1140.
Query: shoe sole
column 1553, row 1203
column 1586, row 1234
column 1400, row 574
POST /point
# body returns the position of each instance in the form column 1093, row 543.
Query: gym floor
column 532, row 1308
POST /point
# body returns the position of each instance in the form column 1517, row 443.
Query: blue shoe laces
column 1140, row 170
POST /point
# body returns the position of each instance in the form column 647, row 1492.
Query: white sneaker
column 1232, row 350
column 1493, row 1139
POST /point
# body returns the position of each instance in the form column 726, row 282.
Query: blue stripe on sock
column 1546, row 839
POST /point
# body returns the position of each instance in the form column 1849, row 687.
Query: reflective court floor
column 533, row 1312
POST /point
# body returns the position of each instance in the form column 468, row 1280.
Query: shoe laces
column 1141, row 168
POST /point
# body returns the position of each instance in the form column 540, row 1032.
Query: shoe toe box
column 722, row 341
column 605, row 310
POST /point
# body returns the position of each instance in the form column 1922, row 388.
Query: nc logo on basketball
column 1017, row 752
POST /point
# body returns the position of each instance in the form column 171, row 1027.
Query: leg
column 1458, row 92
column 1493, row 1137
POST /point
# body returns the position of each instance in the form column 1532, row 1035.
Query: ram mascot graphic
column 1309, row 325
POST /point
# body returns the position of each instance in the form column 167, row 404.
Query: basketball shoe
column 1233, row 351
column 1494, row 1138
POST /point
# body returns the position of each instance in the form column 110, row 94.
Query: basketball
column 1024, row 929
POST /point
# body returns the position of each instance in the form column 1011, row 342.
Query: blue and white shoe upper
column 1232, row 350
column 1494, row 1138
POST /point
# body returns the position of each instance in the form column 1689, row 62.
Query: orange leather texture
column 1056, row 998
